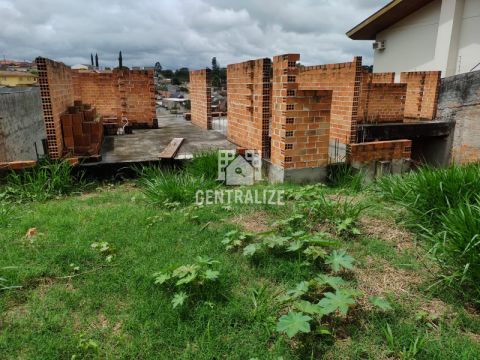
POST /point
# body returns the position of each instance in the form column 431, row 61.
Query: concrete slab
column 146, row 145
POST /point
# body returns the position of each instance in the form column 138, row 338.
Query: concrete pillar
column 446, row 49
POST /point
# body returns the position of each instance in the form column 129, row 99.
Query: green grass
column 114, row 310
column 44, row 181
column 444, row 207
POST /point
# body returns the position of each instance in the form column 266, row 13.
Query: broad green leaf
column 300, row 289
column 380, row 303
column 161, row 278
column 333, row 281
column 295, row 246
column 275, row 241
column 187, row 279
column 315, row 252
column 206, row 260
column 185, row 270
column 356, row 231
column 321, row 239
column 211, row 274
column 293, row 323
column 340, row 301
column 179, row 299
column 308, row 308
column 339, row 260
column 251, row 249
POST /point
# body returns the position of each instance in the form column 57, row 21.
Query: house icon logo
column 238, row 170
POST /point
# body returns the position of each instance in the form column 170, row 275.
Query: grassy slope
column 118, row 306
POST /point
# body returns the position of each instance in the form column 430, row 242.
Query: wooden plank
column 171, row 150
column 17, row 165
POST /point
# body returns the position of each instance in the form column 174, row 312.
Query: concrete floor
column 146, row 145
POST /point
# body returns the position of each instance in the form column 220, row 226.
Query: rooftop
column 17, row 74
column 390, row 14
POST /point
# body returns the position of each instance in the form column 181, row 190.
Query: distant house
column 421, row 35
column 17, row 78
column 82, row 67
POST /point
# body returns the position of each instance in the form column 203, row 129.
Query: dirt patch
column 379, row 278
column 15, row 314
column 388, row 230
column 472, row 336
column 254, row 222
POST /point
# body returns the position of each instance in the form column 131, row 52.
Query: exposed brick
column 249, row 105
column 200, row 89
column 422, row 94
column 123, row 94
column 379, row 151
column 55, row 80
column 308, row 114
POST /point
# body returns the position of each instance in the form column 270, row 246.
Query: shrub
column 173, row 186
column 446, row 211
column 204, row 164
column 457, row 243
column 42, row 182
column 429, row 192
column 344, row 176
column 189, row 281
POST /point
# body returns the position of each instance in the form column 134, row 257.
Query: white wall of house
column 443, row 35
column 469, row 44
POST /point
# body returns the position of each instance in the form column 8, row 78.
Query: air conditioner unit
column 379, row 45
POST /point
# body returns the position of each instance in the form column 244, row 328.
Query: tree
column 216, row 77
column 215, row 66
column 158, row 69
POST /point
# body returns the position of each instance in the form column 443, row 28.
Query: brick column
column 56, row 88
column 201, row 98
column 300, row 119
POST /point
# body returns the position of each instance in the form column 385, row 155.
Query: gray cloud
column 183, row 33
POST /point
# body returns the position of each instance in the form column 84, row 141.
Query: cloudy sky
column 183, row 32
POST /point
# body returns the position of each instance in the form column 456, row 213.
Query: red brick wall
column 120, row 93
column 200, row 88
column 379, row 151
column 98, row 89
column 382, row 103
column 422, row 94
column 383, row 78
column 300, row 118
column 55, row 80
column 345, row 81
column 249, row 103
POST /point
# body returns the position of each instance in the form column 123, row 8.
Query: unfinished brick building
column 118, row 95
column 301, row 118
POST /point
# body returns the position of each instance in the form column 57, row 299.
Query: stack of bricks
column 379, row 151
column 422, row 94
column 300, row 119
column 200, row 89
column 55, row 80
column 249, row 105
column 82, row 130
column 124, row 94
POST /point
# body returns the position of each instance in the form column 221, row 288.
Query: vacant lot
column 332, row 274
